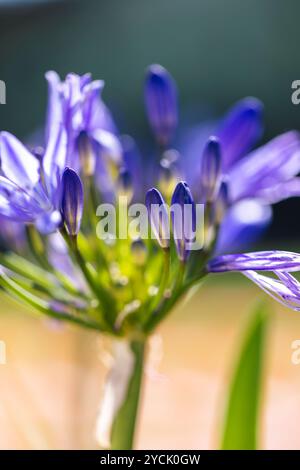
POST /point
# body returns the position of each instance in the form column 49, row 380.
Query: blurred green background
column 218, row 52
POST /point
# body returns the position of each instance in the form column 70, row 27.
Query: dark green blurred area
column 218, row 51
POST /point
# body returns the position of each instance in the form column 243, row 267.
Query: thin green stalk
column 165, row 274
column 41, row 305
column 179, row 291
column 105, row 302
column 36, row 246
column 38, row 250
column 124, row 425
column 154, row 303
column 179, row 279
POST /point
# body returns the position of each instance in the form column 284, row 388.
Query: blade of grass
column 243, row 406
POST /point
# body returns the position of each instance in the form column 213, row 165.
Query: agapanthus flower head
column 183, row 214
column 126, row 286
column 95, row 270
column 161, row 103
column 72, row 201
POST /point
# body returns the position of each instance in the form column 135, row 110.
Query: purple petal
column 110, row 146
column 59, row 257
column 54, row 160
column 256, row 261
column 95, row 113
column 276, row 162
column 48, row 222
column 286, row 290
column 240, row 130
column 12, row 235
column 54, row 109
column 17, row 163
column 15, row 203
column 281, row 191
column 243, row 224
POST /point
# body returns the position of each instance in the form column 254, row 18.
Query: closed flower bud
column 161, row 103
column 72, row 201
column 86, row 154
column 183, row 212
column 125, row 184
column 159, row 217
column 210, row 170
column 221, row 203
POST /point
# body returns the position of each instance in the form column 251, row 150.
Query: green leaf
column 243, row 407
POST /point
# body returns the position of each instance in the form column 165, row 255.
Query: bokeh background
column 218, row 52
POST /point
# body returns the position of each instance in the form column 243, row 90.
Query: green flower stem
column 38, row 250
column 103, row 297
column 124, row 425
column 165, row 274
column 36, row 246
column 41, row 305
column 155, row 302
column 28, row 270
column 180, row 289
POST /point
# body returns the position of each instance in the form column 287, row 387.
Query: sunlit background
column 218, row 52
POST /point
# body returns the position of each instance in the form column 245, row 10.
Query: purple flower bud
column 161, row 103
column 183, row 212
column 221, row 203
column 159, row 217
column 72, row 201
column 125, row 183
column 86, row 154
column 210, row 169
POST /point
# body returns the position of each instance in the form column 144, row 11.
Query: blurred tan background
column 51, row 385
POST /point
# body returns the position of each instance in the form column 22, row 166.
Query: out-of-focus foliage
column 242, row 414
